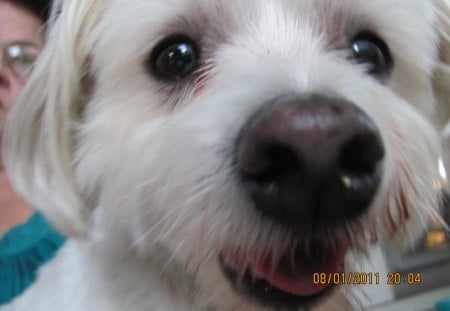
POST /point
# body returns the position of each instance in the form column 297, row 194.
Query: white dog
column 214, row 154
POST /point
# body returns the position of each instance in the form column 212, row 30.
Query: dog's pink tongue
column 298, row 280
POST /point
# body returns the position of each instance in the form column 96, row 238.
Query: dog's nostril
column 270, row 161
column 359, row 167
column 361, row 156
column 310, row 161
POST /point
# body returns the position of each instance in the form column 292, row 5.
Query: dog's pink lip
column 298, row 280
column 293, row 275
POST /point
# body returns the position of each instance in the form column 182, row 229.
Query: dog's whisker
column 147, row 233
column 131, row 195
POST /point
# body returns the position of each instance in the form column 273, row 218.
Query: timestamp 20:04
column 398, row 278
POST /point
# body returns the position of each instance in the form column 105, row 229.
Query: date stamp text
column 367, row 278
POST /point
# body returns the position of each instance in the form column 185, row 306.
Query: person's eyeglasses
column 20, row 57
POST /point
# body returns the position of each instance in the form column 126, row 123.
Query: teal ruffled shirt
column 23, row 249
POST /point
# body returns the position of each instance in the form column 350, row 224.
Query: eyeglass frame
column 9, row 61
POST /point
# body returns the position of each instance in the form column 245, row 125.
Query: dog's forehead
column 245, row 13
column 265, row 20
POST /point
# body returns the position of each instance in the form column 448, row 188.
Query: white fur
column 140, row 175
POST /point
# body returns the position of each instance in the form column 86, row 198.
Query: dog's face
column 255, row 142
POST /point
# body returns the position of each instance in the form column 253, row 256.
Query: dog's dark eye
column 369, row 49
column 174, row 58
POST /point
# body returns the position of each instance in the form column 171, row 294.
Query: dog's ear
column 38, row 141
column 441, row 79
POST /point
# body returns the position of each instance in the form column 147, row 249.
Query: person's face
column 16, row 25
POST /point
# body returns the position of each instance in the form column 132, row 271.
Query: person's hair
column 40, row 8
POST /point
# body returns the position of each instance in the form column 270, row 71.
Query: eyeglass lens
column 20, row 58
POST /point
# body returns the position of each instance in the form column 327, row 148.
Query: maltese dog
column 218, row 155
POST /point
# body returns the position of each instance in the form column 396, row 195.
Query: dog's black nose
column 310, row 162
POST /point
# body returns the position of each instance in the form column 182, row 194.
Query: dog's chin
column 289, row 283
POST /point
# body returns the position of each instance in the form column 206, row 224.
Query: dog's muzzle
column 308, row 165
column 310, row 162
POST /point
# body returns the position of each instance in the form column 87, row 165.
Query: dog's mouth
column 291, row 282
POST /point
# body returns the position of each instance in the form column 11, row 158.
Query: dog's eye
column 174, row 58
column 369, row 49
